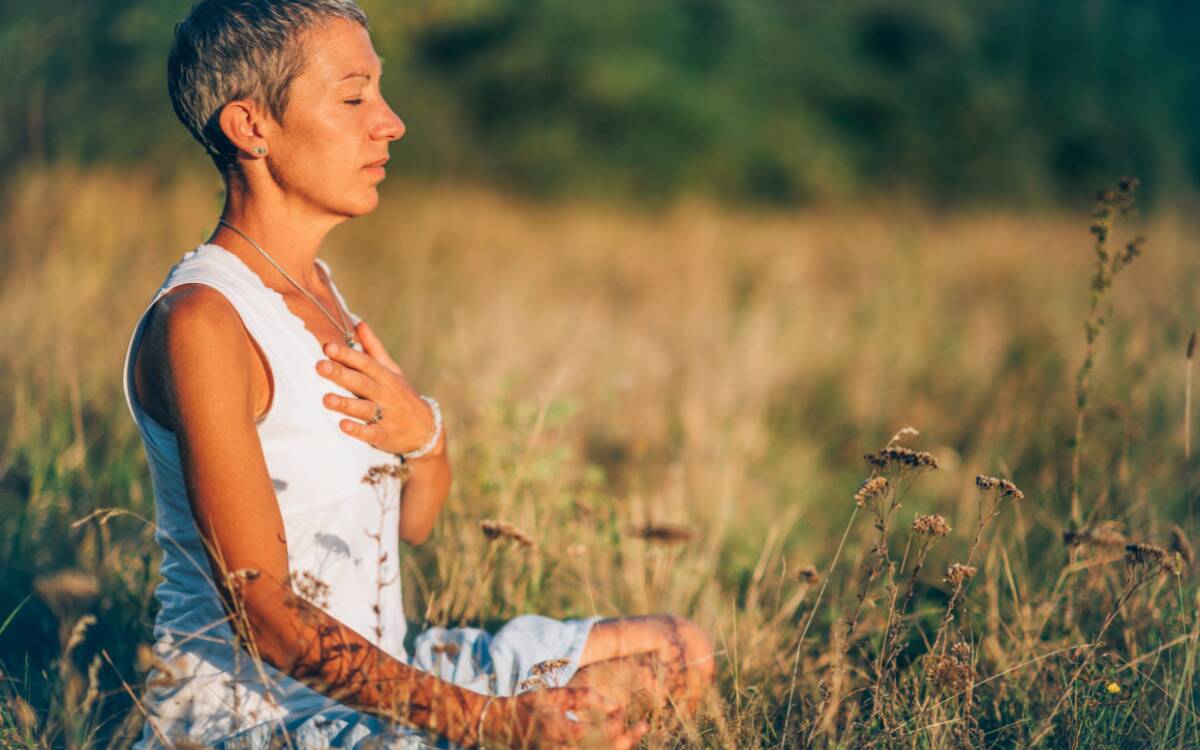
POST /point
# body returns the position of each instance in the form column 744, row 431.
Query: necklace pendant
column 351, row 341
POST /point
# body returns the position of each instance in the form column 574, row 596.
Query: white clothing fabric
column 340, row 530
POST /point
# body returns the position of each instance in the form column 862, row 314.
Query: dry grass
column 673, row 410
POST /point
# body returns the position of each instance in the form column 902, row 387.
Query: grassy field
column 676, row 408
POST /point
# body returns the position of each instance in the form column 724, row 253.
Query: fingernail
column 347, row 427
column 324, row 367
column 331, row 349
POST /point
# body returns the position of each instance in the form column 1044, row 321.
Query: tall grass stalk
column 1111, row 204
column 1187, row 398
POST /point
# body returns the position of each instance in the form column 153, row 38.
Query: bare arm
column 202, row 369
column 425, row 492
column 208, row 385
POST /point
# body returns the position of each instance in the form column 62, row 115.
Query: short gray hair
column 241, row 49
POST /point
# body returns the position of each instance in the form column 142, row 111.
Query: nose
column 391, row 127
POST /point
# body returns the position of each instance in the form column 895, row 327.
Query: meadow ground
column 675, row 407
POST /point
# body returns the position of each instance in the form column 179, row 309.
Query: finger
column 352, row 380
column 368, row 433
column 373, row 346
column 358, row 408
column 356, row 360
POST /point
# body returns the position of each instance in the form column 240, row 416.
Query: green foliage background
column 1018, row 101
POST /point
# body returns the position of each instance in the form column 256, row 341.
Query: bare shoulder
column 193, row 343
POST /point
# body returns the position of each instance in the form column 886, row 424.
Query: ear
column 243, row 124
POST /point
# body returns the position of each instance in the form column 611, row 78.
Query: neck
column 287, row 227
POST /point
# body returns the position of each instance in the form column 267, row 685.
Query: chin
column 362, row 206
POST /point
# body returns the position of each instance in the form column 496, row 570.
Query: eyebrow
column 360, row 74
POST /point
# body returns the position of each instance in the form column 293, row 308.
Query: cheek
column 316, row 163
column 322, row 146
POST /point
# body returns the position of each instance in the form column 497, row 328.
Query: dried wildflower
column 661, row 533
column 930, row 524
column 67, row 592
column 533, row 683
column 1105, row 535
column 1181, row 545
column 871, row 489
column 1153, row 559
column 902, row 457
column 376, row 474
column 310, row 588
column 493, row 529
column 1173, row 565
column 902, row 432
column 954, row 671
column 958, row 574
column 808, row 574
column 548, row 666
column 1133, row 249
column 1144, row 554
column 961, row 650
column 1005, row 487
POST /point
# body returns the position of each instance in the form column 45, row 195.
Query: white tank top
column 341, row 530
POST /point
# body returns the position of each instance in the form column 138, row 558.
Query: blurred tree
column 762, row 100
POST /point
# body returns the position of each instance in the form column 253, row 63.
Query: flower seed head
column 808, row 574
column 904, row 458
column 953, row 671
column 664, row 533
column 931, row 525
column 958, row 574
column 548, row 666
column 871, row 489
column 494, row 529
column 1004, row 487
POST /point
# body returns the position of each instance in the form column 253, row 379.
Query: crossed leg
column 654, row 660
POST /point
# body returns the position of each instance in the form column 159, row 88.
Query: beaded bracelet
column 433, row 436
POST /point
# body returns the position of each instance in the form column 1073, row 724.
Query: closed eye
column 354, row 102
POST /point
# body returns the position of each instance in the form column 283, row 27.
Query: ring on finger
column 378, row 416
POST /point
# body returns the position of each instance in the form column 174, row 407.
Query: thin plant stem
column 1187, row 399
column 816, row 605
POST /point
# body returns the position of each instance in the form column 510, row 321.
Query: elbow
column 416, row 537
column 275, row 619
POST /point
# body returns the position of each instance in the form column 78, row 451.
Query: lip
column 377, row 164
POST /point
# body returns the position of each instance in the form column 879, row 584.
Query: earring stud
column 260, row 150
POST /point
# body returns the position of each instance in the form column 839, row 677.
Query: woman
column 264, row 403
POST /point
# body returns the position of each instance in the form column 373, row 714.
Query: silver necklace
column 347, row 333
